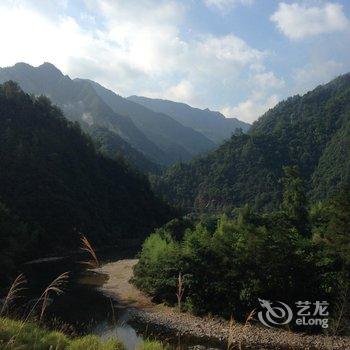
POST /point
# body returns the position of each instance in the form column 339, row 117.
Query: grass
column 15, row 335
column 21, row 335
column 26, row 335
column 152, row 345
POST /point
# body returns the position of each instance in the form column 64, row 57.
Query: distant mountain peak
column 22, row 65
column 212, row 124
column 51, row 69
column 47, row 68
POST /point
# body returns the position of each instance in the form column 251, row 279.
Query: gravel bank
column 211, row 330
column 246, row 337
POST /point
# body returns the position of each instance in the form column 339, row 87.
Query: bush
column 228, row 266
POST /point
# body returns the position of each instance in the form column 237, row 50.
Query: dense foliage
column 114, row 147
column 311, row 131
column 228, row 263
column 54, row 185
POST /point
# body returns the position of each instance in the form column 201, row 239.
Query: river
column 83, row 309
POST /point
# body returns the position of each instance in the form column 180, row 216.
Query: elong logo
column 278, row 313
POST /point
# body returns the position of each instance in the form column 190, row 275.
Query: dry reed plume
column 86, row 247
column 247, row 322
column 13, row 293
column 180, row 290
column 94, row 263
column 339, row 322
column 56, row 287
column 230, row 337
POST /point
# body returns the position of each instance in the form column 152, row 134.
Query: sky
column 239, row 57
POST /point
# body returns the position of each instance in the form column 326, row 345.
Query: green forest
column 267, row 215
column 296, row 252
column 264, row 216
column 175, row 175
column 54, row 186
column 310, row 131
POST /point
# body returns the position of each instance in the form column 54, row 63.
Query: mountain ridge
column 311, row 131
column 159, row 137
column 163, row 130
column 214, row 125
column 79, row 102
column 55, row 182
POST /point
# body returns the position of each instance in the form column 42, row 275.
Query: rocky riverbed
column 214, row 331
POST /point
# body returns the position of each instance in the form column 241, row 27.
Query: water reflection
column 83, row 309
column 124, row 332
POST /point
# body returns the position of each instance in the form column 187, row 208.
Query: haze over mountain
column 311, row 131
column 163, row 139
column 80, row 102
column 214, row 125
column 180, row 142
column 113, row 146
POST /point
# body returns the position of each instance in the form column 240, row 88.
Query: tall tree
column 294, row 203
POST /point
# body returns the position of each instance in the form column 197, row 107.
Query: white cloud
column 181, row 92
column 118, row 53
column 315, row 73
column 252, row 108
column 267, row 80
column 265, row 91
column 299, row 21
column 224, row 6
column 135, row 54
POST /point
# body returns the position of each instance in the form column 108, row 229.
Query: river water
column 83, row 309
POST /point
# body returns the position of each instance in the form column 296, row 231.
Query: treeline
column 54, row 185
column 294, row 253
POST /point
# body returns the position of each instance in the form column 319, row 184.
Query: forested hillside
column 176, row 140
column 310, row 131
column 55, row 185
column 156, row 136
column 113, row 146
column 228, row 263
column 80, row 102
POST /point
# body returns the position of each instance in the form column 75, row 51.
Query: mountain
column 55, row 183
column 157, row 136
column 178, row 141
column 311, row 131
column 113, row 146
column 211, row 124
column 81, row 103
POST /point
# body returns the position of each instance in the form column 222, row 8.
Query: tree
column 294, row 203
column 337, row 231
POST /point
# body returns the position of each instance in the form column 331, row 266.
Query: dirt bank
column 118, row 286
column 168, row 320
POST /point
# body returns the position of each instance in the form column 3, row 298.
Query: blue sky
column 237, row 56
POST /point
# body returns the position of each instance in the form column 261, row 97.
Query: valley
column 219, row 230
